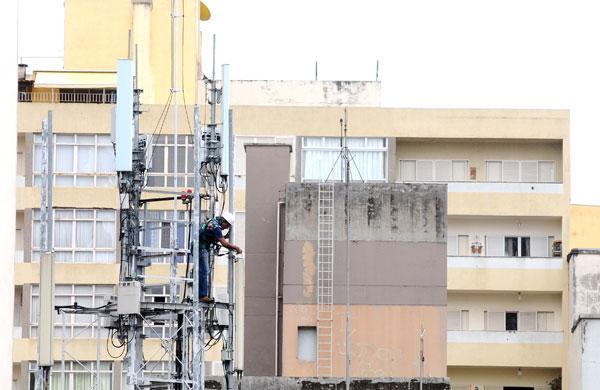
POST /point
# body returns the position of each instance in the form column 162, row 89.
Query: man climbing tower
column 211, row 234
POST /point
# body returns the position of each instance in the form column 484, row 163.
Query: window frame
column 73, row 327
column 354, row 149
column 185, row 177
column 520, row 170
column 74, row 249
column 99, row 178
column 434, row 174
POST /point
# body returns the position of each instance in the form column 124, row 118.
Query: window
column 80, row 160
column 80, row 236
column 76, row 325
column 320, row 159
column 157, row 231
column 463, row 245
column 161, row 154
column 545, row 321
column 240, row 155
column 511, row 320
column 452, row 245
column 528, row 171
column 433, row 170
column 458, row 320
column 521, row 321
column 307, row 343
column 158, row 328
column 518, row 246
column 78, row 375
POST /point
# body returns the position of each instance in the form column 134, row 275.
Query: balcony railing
column 485, row 186
column 503, row 337
column 68, row 97
column 497, row 262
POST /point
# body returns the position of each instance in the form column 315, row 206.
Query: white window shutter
column 424, row 170
column 529, row 171
column 459, row 170
column 496, row 320
column 453, row 320
column 408, row 170
column 510, row 171
column 546, row 172
column 526, row 321
column 464, row 320
column 545, row 321
column 452, row 246
column 463, row 245
column 539, row 247
column 494, row 246
column 494, row 171
column 443, row 170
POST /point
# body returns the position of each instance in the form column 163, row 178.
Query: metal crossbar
column 325, row 252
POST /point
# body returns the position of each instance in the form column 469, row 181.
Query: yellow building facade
column 507, row 173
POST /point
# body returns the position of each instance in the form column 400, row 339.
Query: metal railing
column 68, row 97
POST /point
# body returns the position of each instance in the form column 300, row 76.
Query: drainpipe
column 277, row 260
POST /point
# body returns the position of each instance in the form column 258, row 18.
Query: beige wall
column 96, row 36
column 392, row 350
column 501, row 376
column 478, row 303
column 584, row 227
column 478, row 151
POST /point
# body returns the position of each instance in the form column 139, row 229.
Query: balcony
column 491, row 262
column 505, row 349
column 480, row 273
column 503, row 337
column 108, row 97
column 531, row 188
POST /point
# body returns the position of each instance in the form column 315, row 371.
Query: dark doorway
column 511, row 320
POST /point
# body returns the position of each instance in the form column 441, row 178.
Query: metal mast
column 174, row 224
column 46, row 284
column 135, row 315
column 346, row 156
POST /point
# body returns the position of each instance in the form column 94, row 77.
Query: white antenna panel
column 124, row 115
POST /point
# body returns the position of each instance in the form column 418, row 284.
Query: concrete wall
column 305, row 93
column 308, row 383
column 268, row 169
column 398, row 277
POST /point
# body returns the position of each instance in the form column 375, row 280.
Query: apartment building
column 505, row 275
column 507, row 173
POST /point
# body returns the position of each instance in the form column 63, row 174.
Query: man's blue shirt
column 210, row 234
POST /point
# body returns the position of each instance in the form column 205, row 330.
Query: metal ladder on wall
column 325, row 280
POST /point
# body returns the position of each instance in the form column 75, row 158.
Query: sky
column 432, row 53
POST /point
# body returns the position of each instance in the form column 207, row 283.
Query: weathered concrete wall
column 305, row 93
column 268, row 170
column 378, row 212
column 584, row 340
column 584, row 283
column 295, row 383
column 397, row 280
